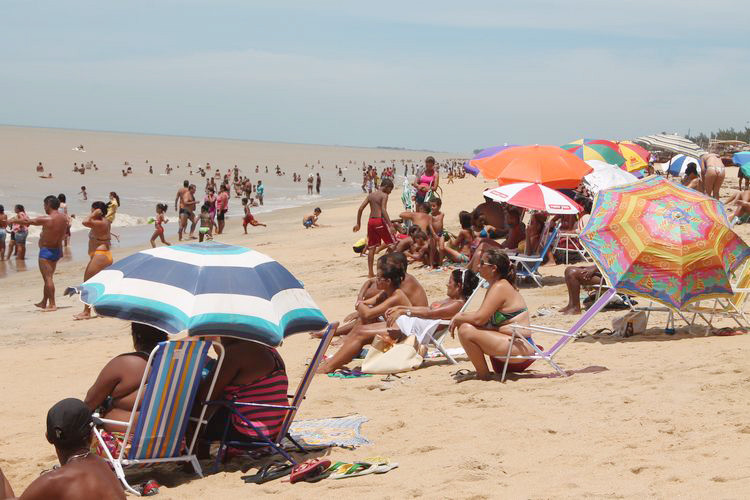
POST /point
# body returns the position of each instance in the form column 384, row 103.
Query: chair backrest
column 743, row 283
column 166, row 397
column 325, row 341
column 590, row 313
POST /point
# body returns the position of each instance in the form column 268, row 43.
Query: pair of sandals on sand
column 314, row 470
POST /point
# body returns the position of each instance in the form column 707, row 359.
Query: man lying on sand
column 81, row 474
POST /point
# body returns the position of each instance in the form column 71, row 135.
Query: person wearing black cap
column 81, row 474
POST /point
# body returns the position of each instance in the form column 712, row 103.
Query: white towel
column 419, row 327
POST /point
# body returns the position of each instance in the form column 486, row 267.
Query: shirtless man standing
column 379, row 225
column 187, row 211
column 81, row 474
column 54, row 225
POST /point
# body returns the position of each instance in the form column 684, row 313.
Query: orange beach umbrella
column 549, row 165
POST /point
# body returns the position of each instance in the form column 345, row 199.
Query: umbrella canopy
column 205, row 289
column 741, row 158
column 607, row 177
column 674, row 143
column 663, row 241
column 679, row 163
column 596, row 151
column 636, row 157
column 484, row 154
column 548, row 165
column 535, row 197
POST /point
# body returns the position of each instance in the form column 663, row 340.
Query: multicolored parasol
column 596, row 149
column 663, row 241
column 636, row 157
column 548, row 165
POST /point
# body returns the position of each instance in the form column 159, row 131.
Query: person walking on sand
column 379, row 224
column 100, row 247
column 259, row 189
column 53, row 225
column 159, row 221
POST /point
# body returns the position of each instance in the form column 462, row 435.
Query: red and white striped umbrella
column 535, row 197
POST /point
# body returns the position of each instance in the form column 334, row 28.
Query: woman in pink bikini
column 427, row 180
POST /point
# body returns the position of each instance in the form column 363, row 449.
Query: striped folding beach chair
column 529, row 264
column 274, row 443
column 165, row 400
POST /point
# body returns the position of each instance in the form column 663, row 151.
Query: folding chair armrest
column 525, row 258
column 98, row 420
column 542, row 329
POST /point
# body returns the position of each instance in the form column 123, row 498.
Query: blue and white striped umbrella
column 206, row 289
column 678, row 164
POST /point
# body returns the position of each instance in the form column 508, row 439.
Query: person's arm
column 366, row 313
column 177, row 200
column 105, row 383
column 359, row 213
column 384, row 210
column 5, row 490
column 365, row 287
column 406, row 216
column 491, row 303
column 445, row 310
column 436, row 180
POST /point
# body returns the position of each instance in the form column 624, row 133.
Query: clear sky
column 443, row 75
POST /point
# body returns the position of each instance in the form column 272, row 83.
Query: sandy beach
column 653, row 415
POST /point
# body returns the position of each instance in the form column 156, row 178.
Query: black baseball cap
column 68, row 422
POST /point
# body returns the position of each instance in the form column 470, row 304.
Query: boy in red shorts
column 379, row 227
column 249, row 219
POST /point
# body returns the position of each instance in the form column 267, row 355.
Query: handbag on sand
column 383, row 358
column 632, row 323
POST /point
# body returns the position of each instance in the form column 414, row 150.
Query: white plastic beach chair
column 165, row 400
column 565, row 337
column 732, row 308
column 437, row 337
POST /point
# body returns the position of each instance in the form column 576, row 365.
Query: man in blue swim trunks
column 54, row 226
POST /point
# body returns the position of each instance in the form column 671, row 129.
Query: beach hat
column 68, row 422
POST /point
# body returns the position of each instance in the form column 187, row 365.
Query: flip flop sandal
column 309, row 468
column 385, row 467
column 356, row 469
column 269, row 473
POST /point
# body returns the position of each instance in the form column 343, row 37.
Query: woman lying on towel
column 488, row 330
column 389, row 278
column 113, row 393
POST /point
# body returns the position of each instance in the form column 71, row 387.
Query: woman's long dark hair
column 502, row 264
column 467, row 279
column 114, row 195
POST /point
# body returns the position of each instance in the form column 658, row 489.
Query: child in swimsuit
column 159, row 221
column 205, row 229
column 311, row 220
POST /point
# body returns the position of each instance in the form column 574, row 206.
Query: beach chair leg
column 296, row 443
column 120, row 473
column 439, row 347
column 507, row 356
column 196, row 466
column 555, row 366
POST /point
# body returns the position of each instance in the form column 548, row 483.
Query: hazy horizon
column 416, row 75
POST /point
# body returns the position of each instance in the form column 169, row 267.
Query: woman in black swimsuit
column 488, row 330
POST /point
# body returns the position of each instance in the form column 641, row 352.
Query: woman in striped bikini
column 250, row 373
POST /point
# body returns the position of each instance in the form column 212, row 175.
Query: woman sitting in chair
column 489, row 329
column 114, row 391
column 250, row 373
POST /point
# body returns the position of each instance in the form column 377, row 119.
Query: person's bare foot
column 570, row 311
column 318, row 334
column 49, row 309
column 41, row 305
column 82, row 316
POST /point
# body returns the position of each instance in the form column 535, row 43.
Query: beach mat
column 327, row 432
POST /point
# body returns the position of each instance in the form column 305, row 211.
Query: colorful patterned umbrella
column 595, row 151
column 205, row 289
column 548, row 165
column 663, row 241
column 484, row 154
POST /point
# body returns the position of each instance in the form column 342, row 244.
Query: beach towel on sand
column 326, row 432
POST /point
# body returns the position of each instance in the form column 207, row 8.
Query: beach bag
column 382, row 358
column 632, row 323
